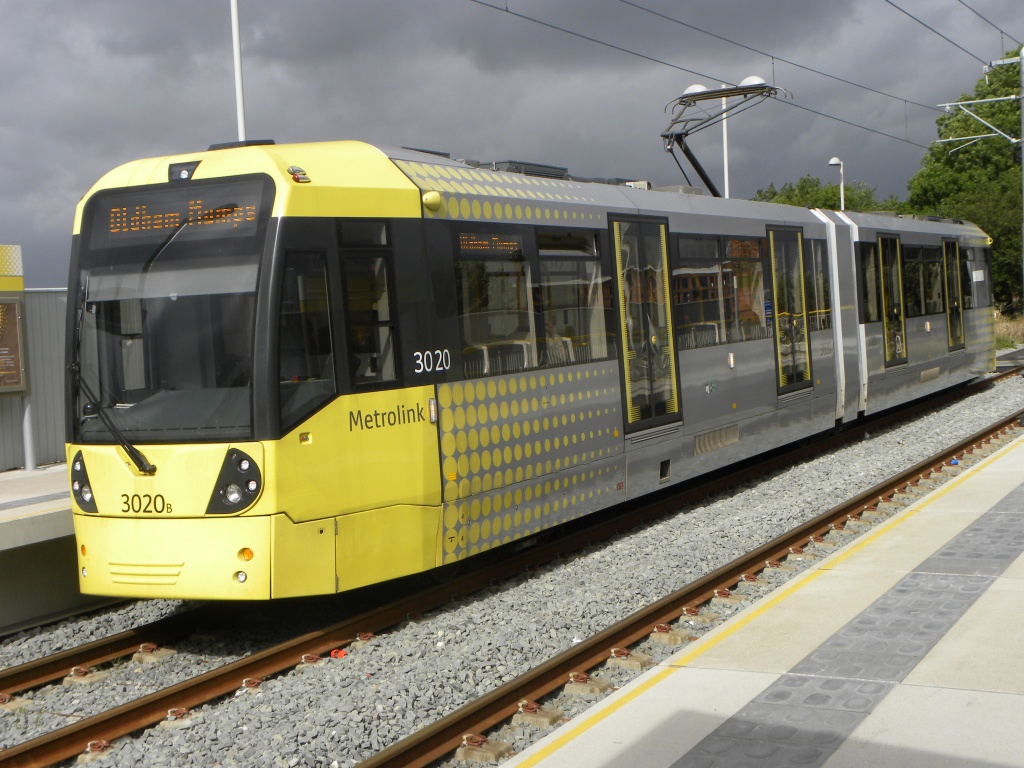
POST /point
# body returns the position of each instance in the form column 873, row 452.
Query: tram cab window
column 817, row 285
column 697, row 296
column 305, row 362
column 575, row 297
column 495, row 304
column 745, row 312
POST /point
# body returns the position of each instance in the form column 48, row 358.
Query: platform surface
column 902, row 649
column 35, row 506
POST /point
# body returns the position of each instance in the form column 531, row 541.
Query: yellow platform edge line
column 705, row 644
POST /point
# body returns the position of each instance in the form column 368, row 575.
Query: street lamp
column 842, row 183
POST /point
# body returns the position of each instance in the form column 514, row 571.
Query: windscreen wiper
column 137, row 457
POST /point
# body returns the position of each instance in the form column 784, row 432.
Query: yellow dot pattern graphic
column 10, row 261
column 477, row 194
column 525, row 452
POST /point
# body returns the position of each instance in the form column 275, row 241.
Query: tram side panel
column 736, row 381
column 530, row 425
column 848, row 337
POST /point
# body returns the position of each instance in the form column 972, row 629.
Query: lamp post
column 842, row 183
column 236, row 45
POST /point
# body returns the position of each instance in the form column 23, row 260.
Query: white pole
column 28, row 440
column 237, row 44
column 725, row 145
column 842, row 188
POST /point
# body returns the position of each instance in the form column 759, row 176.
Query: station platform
column 903, row 648
column 35, row 506
column 38, row 581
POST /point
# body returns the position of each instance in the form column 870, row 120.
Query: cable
column 599, row 42
column 855, row 125
column 524, row 17
column 777, row 58
column 1000, row 31
column 890, row 2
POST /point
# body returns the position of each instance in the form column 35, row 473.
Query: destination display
column 189, row 212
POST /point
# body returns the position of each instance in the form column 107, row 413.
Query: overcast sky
column 89, row 84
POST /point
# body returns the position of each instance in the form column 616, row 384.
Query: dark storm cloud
column 87, row 86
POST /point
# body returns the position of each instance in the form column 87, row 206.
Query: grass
column 1009, row 331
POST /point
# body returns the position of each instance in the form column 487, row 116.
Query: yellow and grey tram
column 300, row 369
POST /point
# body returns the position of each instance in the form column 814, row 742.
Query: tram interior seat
column 559, row 351
column 697, row 335
column 493, row 359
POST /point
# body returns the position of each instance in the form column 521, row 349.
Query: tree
column 810, row 193
column 980, row 181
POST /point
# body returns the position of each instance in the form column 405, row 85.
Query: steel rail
column 57, row 665
column 445, row 736
column 74, row 739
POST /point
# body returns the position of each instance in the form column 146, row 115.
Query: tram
column 301, row 369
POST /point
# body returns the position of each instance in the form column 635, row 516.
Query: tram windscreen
column 166, row 316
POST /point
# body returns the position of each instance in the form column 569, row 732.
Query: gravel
column 344, row 710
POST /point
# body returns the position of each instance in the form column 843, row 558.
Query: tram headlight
column 81, row 489
column 240, row 577
column 238, row 484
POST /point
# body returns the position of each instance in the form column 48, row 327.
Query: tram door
column 954, row 292
column 641, row 253
column 893, row 319
column 792, row 346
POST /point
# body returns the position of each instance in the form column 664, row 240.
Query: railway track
column 436, row 741
column 463, row 728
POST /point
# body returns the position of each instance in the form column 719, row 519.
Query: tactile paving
column 804, row 716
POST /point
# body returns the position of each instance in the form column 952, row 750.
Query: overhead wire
column 775, row 58
column 654, row 60
column 932, row 29
column 614, row 47
column 991, row 24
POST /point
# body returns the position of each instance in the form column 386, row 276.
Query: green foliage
column 980, row 181
column 810, row 193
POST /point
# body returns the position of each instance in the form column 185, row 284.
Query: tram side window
column 371, row 326
column 975, row 282
column 697, row 296
column 575, row 297
column 745, row 313
column 495, row 304
column 306, row 368
column 932, row 282
column 817, row 285
column 966, row 278
column 365, row 253
column 870, row 284
column 913, row 281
